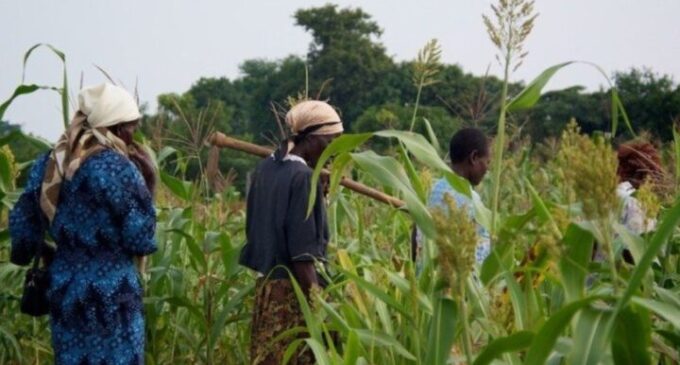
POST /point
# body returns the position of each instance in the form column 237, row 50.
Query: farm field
column 556, row 288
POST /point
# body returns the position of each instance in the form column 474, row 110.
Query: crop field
column 541, row 297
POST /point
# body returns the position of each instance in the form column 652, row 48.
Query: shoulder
column 108, row 161
column 110, row 165
column 37, row 172
column 441, row 188
column 40, row 163
column 292, row 168
column 300, row 173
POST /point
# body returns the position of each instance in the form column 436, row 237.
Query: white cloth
column 106, row 105
column 309, row 113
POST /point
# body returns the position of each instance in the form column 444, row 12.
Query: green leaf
column 353, row 348
column 442, row 332
column 501, row 255
column 500, row 258
column 667, row 311
column 617, row 107
column 387, row 171
column 590, row 338
column 663, row 233
column 20, row 90
column 230, row 255
column 165, row 152
column 515, row 342
column 195, row 251
column 37, row 142
column 412, row 174
column 4, row 236
column 668, row 296
column 372, row 338
column 632, row 338
column 419, row 147
column 518, row 300
column 378, row 293
column 541, row 210
column 546, row 337
column 532, row 93
column 432, row 136
column 343, row 144
column 313, row 325
column 181, row 189
column 320, row 353
column 574, row 263
column 9, row 137
column 633, row 242
column 6, row 178
column 64, row 88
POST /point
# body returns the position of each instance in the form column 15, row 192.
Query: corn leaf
column 512, row 343
column 528, row 97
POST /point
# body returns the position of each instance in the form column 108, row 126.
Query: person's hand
column 305, row 274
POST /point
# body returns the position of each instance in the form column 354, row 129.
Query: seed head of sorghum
column 590, row 170
column 456, row 241
column 13, row 168
column 502, row 312
column 426, row 179
column 549, row 235
column 316, row 295
column 649, row 200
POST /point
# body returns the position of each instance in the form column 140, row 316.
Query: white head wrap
column 100, row 107
column 106, row 105
column 313, row 112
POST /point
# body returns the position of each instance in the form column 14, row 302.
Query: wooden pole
column 223, row 141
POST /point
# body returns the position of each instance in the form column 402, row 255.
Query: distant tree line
column 347, row 65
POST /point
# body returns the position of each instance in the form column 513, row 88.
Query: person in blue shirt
column 470, row 156
column 91, row 196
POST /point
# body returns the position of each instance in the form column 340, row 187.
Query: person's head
column 469, row 154
column 314, row 124
column 110, row 106
column 638, row 161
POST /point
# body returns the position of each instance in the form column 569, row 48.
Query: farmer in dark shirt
column 281, row 238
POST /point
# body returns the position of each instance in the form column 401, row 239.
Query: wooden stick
column 223, row 141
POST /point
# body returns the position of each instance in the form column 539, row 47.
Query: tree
column 549, row 117
column 394, row 116
column 344, row 50
column 651, row 101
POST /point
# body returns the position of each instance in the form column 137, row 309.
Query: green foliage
column 540, row 297
column 395, row 116
column 343, row 49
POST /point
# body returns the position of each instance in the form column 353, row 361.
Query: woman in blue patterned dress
column 91, row 193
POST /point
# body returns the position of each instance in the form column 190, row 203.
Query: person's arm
column 26, row 227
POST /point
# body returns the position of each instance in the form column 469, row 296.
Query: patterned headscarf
column 100, row 107
column 311, row 117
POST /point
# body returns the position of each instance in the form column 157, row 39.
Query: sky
column 166, row 45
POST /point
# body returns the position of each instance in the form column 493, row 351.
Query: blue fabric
column 104, row 217
column 436, row 199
